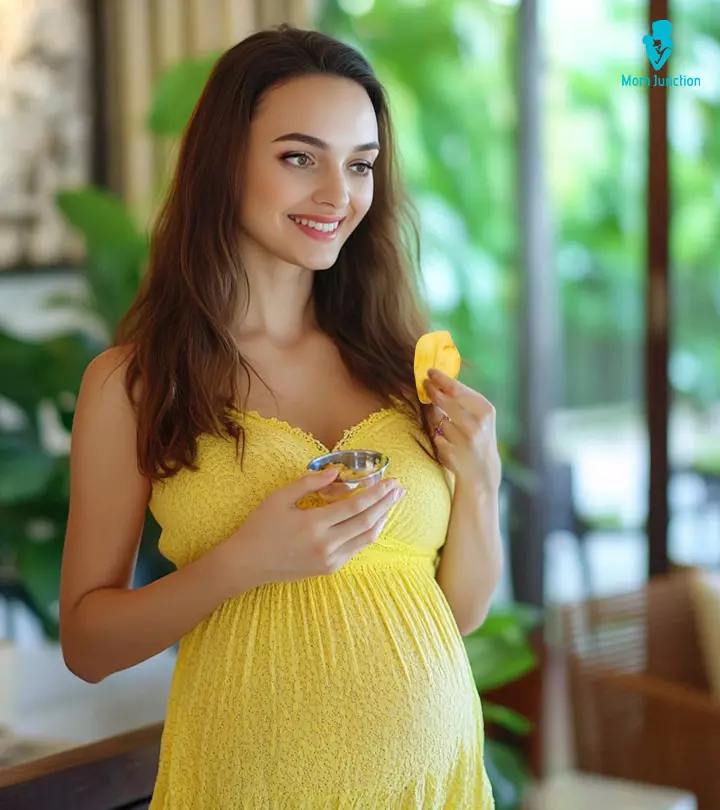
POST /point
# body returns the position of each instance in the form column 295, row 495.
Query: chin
column 322, row 265
column 315, row 262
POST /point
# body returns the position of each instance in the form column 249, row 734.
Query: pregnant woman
column 321, row 664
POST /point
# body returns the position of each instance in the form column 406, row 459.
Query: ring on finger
column 439, row 429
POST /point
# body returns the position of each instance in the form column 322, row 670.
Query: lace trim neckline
column 371, row 419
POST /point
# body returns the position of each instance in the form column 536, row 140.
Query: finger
column 346, row 551
column 340, row 511
column 466, row 422
column 451, row 434
column 453, row 426
column 312, row 481
column 435, row 416
column 455, row 391
column 443, row 403
column 362, row 522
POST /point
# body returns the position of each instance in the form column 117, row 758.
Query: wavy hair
column 184, row 366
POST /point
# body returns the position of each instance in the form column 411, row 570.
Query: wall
column 143, row 38
column 45, row 126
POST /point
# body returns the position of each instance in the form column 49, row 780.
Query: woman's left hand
column 467, row 444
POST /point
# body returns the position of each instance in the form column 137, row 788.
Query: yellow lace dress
column 349, row 691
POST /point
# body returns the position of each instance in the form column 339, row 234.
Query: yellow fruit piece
column 435, row 350
column 347, row 473
column 311, row 501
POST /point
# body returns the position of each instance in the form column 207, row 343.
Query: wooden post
column 657, row 329
column 537, row 321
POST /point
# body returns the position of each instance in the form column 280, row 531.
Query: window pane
column 694, row 132
column 596, row 146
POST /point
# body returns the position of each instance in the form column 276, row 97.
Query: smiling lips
column 322, row 229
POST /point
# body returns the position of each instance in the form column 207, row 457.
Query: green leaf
column 507, row 773
column 526, row 616
column 114, row 280
column 38, row 563
column 22, row 380
column 102, row 219
column 116, row 251
column 66, row 357
column 507, row 718
column 12, row 528
column 707, row 461
column 34, row 370
column 512, row 622
column 496, row 662
column 25, row 468
column 177, row 93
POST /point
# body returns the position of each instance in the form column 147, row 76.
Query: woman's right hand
column 281, row 542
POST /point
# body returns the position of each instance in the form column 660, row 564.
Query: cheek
column 363, row 198
column 265, row 191
column 275, row 192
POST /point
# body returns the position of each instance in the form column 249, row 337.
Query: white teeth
column 327, row 227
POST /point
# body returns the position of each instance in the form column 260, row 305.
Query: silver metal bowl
column 364, row 468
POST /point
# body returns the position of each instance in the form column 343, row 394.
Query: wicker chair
column 640, row 704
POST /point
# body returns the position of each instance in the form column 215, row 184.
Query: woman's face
column 311, row 146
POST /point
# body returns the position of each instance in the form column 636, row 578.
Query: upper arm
column 108, row 494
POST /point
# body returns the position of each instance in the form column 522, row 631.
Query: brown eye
column 367, row 166
column 298, row 156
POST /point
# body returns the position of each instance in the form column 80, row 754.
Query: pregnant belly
column 357, row 677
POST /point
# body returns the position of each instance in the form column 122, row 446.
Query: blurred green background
column 450, row 70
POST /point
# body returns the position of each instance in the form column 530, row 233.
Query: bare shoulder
column 112, row 358
column 108, row 493
column 103, row 381
column 104, row 433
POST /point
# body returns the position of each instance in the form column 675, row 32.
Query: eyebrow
column 313, row 141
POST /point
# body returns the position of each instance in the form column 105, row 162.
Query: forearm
column 112, row 629
column 471, row 560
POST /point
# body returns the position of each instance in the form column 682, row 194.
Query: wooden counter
column 114, row 774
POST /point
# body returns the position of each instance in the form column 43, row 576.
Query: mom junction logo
column 659, row 47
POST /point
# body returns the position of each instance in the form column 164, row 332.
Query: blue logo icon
column 659, row 46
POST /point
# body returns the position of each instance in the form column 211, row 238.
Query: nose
column 333, row 189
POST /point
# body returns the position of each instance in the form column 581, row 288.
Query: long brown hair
column 182, row 374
